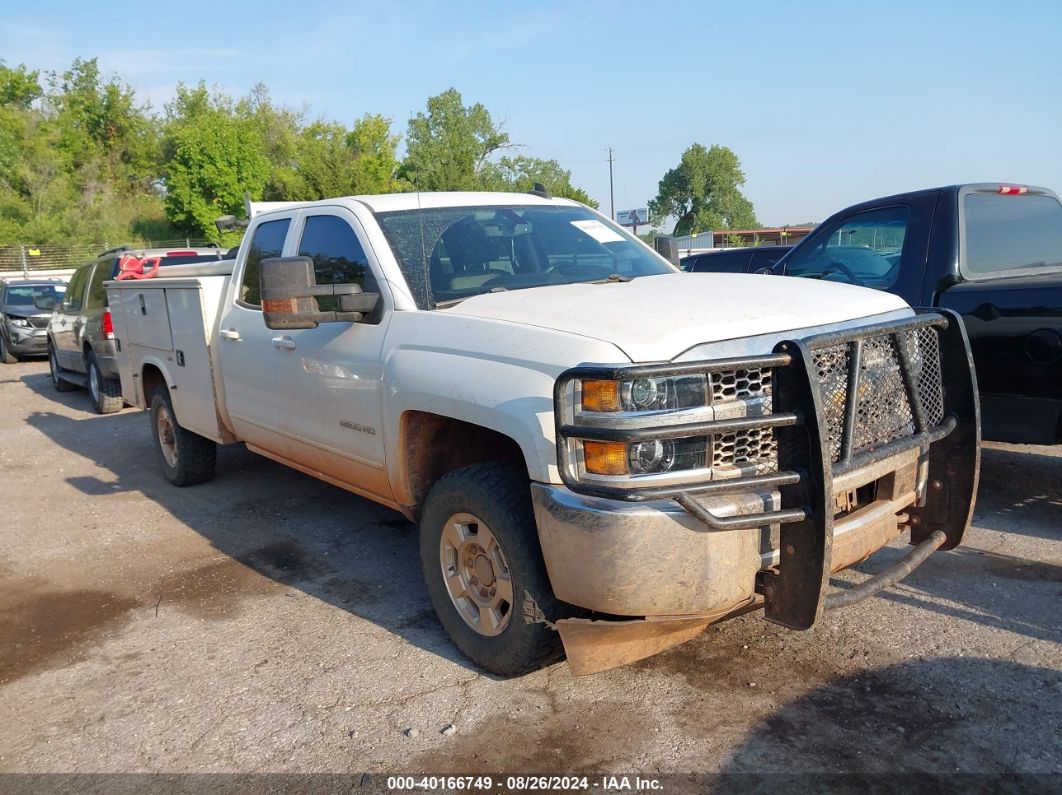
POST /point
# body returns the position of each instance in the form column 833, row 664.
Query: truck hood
column 656, row 318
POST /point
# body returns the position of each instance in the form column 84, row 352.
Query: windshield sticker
column 598, row 231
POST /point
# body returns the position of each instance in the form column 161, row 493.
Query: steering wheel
column 840, row 267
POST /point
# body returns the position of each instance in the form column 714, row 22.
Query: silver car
column 25, row 307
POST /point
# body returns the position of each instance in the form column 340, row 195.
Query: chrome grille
column 743, row 452
column 740, row 384
column 39, row 321
column 752, row 450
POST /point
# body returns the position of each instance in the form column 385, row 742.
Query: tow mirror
column 667, row 247
column 290, row 292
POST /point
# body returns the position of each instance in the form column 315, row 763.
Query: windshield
column 451, row 253
column 29, row 294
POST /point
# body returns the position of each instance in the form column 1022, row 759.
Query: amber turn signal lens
column 600, row 396
column 605, row 458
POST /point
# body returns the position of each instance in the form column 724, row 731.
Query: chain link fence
column 25, row 258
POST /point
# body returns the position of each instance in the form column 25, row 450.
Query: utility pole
column 611, row 193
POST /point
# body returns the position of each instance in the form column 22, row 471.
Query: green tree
column 279, row 130
column 212, row 155
column 335, row 161
column 19, row 87
column 374, row 147
column 704, row 193
column 520, row 174
column 36, row 191
column 448, row 148
column 102, row 128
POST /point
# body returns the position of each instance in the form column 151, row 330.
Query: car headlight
column 657, row 394
column 19, row 322
column 645, row 394
column 651, row 457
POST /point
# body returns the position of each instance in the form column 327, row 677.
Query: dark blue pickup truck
column 992, row 253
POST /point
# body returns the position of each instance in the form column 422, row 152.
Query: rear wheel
column 186, row 458
column 5, row 355
column 106, row 393
column 482, row 562
column 56, row 372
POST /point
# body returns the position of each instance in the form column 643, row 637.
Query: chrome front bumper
column 657, row 559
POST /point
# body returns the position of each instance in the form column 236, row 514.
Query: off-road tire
column 500, row 496
column 105, row 393
column 59, row 383
column 195, row 456
column 6, row 356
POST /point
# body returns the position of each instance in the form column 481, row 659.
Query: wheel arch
column 433, row 445
column 152, row 375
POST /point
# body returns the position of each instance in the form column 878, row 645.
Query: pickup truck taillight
column 108, row 325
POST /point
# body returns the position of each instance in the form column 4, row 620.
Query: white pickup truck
column 604, row 454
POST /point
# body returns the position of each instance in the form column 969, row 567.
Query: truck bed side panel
column 166, row 324
column 1015, row 328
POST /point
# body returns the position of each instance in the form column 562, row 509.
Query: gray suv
column 25, row 307
column 81, row 345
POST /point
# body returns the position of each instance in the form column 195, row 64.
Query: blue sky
column 826, row 103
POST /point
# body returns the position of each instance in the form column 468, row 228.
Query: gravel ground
column 267, row 622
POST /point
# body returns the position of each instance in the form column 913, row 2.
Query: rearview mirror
column 44, row 302
column 289, row 296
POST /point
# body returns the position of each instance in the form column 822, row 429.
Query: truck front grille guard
column 838, row 402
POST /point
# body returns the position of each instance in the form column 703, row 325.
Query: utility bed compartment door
column 190, row 367
column 147, row 318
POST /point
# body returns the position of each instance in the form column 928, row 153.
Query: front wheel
column 481, row 559
column 186, row 458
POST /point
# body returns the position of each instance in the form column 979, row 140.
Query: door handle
column 286, row 343
column 229, row 334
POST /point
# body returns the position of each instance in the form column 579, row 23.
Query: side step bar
column 72, row 377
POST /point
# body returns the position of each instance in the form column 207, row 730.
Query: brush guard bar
column 813, row 448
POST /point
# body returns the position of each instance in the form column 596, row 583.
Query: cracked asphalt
column 267, row 622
